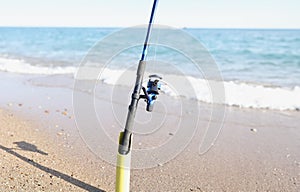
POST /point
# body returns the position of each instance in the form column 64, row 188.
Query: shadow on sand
column 23, row 145
column 30, row 147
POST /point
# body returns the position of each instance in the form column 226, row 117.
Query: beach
column 226, row 119
column 42, row 149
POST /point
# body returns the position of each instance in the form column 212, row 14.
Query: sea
column 260, row 67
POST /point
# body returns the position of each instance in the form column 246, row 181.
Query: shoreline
column 256, row 149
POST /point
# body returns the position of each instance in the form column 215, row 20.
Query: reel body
column 152, row 91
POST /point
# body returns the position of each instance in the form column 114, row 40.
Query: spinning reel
column 150, row 94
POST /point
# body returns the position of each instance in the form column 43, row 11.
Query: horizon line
column 120, row 27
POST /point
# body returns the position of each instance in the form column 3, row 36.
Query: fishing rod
column 149, row 95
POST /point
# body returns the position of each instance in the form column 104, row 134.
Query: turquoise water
column 270, row 56
column 49, row 44
column 260, row 68
column 257, row 56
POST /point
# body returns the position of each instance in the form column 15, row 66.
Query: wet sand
column 41, row 148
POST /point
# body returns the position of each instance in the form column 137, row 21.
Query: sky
column 175, row 13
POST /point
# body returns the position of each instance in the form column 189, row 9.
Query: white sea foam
column 239, row 94
column 258, row 96
column 22, row 67
column 244, row 95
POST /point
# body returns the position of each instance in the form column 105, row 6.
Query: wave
column 259, row 96
column 22, row 67
column 241, row 94
column 246, row 95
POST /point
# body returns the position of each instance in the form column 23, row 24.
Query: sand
column 41, row 148
column 31, row 161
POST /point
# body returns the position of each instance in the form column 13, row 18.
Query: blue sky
column 125, row 13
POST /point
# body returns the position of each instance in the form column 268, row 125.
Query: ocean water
column 260, row 68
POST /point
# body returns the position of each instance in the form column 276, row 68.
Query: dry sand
column 259, row 155
column 31, row 161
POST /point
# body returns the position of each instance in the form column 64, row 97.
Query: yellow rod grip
column 123, row 172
